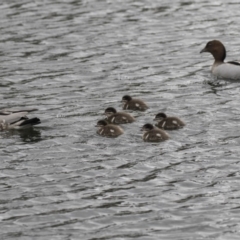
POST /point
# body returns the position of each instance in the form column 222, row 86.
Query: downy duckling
column 118, row 117
column 168, row 123
column 133, row 103
column 152, row 134
column 108, row 130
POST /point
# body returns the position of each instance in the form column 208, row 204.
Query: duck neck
column 219, row 56
column 218, row 62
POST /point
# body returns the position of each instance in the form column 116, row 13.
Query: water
column 73, row 59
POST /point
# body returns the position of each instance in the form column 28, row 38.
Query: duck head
column 217, row 49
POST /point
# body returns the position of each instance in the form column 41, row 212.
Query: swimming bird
column 17, row 119
column 118, row 117
column 152, row 134
column 168, row 123
column 221, row 69
column 133, row 103
column 108, row 130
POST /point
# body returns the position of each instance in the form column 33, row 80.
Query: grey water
column 73, row 59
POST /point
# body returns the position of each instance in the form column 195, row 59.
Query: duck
column 133, row 103
column 220, row 69
column 118, row 117
column 153, row 134
column 108, row 130
column 168, row 123
column 17, row 119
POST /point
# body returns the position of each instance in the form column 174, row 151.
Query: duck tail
column 30, row 122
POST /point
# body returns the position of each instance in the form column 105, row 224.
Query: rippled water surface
column 73, row 59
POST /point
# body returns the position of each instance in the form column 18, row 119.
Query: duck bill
column 203, row 50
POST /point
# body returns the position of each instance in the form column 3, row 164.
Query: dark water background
column 72, row 59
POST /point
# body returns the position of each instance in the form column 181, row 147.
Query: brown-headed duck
column 221, row 69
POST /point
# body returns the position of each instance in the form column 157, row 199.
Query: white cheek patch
column 137, row 104
column 127, row 106
column 146, row 137
column 175, row 122
column 163, row 124
column 112, row 131
column 101, row 131
column 159, row 135
column 113, row 119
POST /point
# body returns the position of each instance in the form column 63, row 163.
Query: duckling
column 168, row 123
column 108, row 130
column 152, row 134
column 133, row 103
column 118, row 117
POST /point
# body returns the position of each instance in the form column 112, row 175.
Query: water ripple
column 73, row 59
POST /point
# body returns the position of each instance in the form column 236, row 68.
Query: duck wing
column 234, row 63
column 13, row 118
